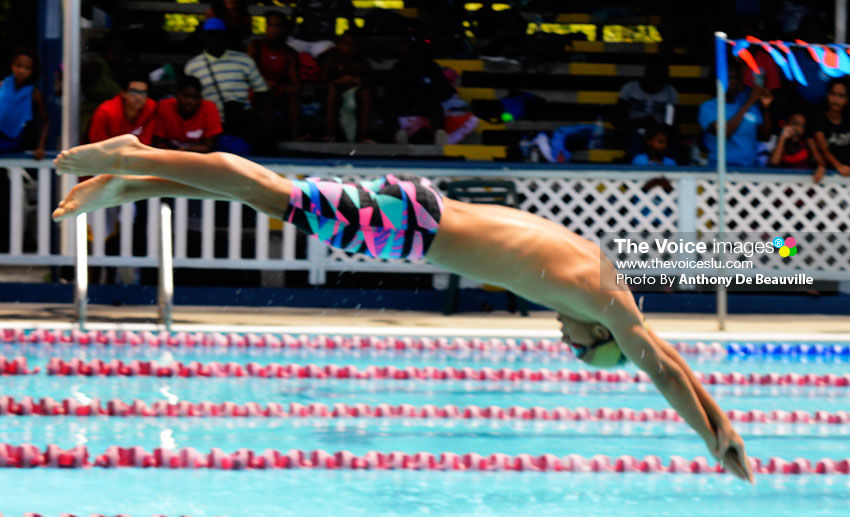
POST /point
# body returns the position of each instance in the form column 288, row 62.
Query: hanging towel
column 15, row 107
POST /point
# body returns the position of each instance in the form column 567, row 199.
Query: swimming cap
column 608, row 355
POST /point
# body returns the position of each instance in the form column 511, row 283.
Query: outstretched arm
column 675, row 380
column 730, row 446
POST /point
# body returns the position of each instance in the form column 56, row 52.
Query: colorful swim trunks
column 389, row 217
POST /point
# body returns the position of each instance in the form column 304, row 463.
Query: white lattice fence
column 592, row 203
column 591, row 207
column 816, row 215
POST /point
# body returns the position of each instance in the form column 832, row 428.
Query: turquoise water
column 319, row 493
column 199, row 493
column 414, row 435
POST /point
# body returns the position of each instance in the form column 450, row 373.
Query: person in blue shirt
column 747, row 121
column 655, row 145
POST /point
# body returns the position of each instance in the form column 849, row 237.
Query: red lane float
column 46, row 406
column 114, row 338
column 16, row 366
column 28, row 456
column 58, row 366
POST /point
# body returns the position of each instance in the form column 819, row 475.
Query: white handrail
column 165, row 298
column 81, row 293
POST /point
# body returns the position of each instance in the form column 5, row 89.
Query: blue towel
column 15, row 107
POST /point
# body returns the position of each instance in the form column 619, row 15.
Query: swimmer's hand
column 729, row 451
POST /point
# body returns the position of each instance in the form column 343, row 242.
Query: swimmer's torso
column 405, row 217
column 533, row 257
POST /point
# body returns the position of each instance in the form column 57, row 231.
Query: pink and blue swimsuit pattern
column 390, row 217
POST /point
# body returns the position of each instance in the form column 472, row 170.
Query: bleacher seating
column 577, row 80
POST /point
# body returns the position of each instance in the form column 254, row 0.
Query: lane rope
column 115, row 338
column 116, row 367
column 29, row 456
column 27, row 406
column 146, row 338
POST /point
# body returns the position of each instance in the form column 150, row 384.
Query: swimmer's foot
column 101, row 192
column 98, row 158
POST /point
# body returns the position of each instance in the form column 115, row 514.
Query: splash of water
column 166, row 358
column 171, row 397
column 166, row 439
column 81, row 397
column 80, row 437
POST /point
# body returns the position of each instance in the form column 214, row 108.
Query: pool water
column 316, row 492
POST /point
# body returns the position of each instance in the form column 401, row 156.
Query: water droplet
column 166, row 440
column 172, row 398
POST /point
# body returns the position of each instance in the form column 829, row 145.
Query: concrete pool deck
column 702, row 326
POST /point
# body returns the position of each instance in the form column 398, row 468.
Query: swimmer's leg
column 106, row 191
column 224, row 174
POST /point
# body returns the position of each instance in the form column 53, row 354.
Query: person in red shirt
column 131, row 111
column 187, row 122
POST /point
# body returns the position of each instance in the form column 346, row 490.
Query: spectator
column 831, row 128
column 19, row 101
column 187, row 122
column 655, row 141
column 417, row 89
column 316, row 33
column 228, row 78
column 746, row 124
column 645, row 102
column 131, row 111
column 234, row 13
column 278, row 64
column 794, row 149
column 348, row 77
column 100, row 79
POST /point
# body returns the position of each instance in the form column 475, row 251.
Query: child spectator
column 187, row 122
column 795, row 150
column 131, row 111
column 831, row 128
column 278, row 64
column 646, row 102
column 348, row 77
column 655, row 142
column 19, row 101
column 746, row 124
